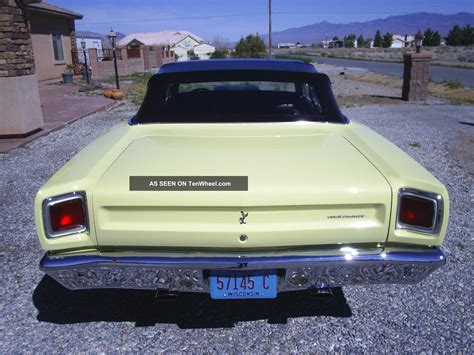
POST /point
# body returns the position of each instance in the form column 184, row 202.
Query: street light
column 83, row 46
column 419, row 41
column 113, row 38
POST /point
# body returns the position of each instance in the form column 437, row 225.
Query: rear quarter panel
column 401, row 171
column 80, row 174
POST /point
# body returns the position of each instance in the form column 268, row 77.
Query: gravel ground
column 435, row 315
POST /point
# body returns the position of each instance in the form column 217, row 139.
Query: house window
column 58, row 47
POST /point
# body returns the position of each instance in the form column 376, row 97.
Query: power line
column 175, row 18
column 242, row 15
column 339, row 12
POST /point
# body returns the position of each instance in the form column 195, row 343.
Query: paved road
column 439, row 74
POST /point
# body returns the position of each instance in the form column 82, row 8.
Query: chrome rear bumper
column 189, row 274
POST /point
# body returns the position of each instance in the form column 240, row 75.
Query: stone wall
column 16, row 50
column 156, row 56
column 416, row 75
column 74, row 49
column 149, row 59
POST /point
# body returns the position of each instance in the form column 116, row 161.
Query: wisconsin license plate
column 230, row 284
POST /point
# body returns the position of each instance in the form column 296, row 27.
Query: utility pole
column 269, row 29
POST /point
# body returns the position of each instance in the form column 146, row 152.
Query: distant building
column 203, row 50
column 286, row 45
column 53, row 37
column 400, row 41
column 91, row 42
column 332, row 44
column 181, row 42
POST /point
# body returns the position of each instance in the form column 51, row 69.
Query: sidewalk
column 59, row 109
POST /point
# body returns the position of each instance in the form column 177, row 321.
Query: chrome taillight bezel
column 51, row 201
column 438, row 204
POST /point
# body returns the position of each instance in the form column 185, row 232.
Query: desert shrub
column 218, row 54
column 454, row 84
column 251, row 46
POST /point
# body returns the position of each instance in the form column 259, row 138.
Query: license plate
column 230, row 284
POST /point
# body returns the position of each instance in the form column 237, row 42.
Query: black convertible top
column 278, row 65
column 165, row 102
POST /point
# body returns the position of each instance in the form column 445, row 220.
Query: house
column 181, row 42
column 204, row 50
column 332, row 44
column 53, row 37
column 286, row 45
column 400, row 41
column 91, row 42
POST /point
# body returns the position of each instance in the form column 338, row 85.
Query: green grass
column 454, row 84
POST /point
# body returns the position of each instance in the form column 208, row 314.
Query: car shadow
column 56, row 304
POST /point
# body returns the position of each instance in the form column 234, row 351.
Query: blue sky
column 129, row 16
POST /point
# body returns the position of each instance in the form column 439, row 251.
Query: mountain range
column 401, row 25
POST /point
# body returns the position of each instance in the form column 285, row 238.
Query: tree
column 387, row 40
column 220, row 43
column 436, row 41
column 360, row 42
column 455, row 36
column 349, row 40
column 192, row 55
column 468, row 35
column 428, row 40
column 368, row 42
column 432, row 38
column 218, row 54
column 378, row 39
column 250, row 47
column 335, row 38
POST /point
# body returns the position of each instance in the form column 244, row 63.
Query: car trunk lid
column 303, row 190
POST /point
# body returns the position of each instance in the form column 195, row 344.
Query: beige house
column 53, row 35
column 180, row 42
column 399, row 41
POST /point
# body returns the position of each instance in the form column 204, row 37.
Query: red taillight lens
column 417, row 212
column 67, row 215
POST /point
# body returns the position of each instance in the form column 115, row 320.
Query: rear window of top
column 221, row 97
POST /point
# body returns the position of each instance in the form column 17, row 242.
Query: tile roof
column 53, row 9
column 156, row 38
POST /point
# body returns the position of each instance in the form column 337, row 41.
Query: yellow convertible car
column 241, row 179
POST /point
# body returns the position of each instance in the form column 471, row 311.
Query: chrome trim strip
column 187, row 274
column 438, row 210
column 51, row 201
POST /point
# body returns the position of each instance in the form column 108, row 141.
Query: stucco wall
column 20, row 112
column 42, row 28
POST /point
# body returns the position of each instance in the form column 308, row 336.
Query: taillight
column 65, row 214
column 419, row 211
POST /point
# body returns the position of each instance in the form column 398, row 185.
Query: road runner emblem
column 243, row 215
